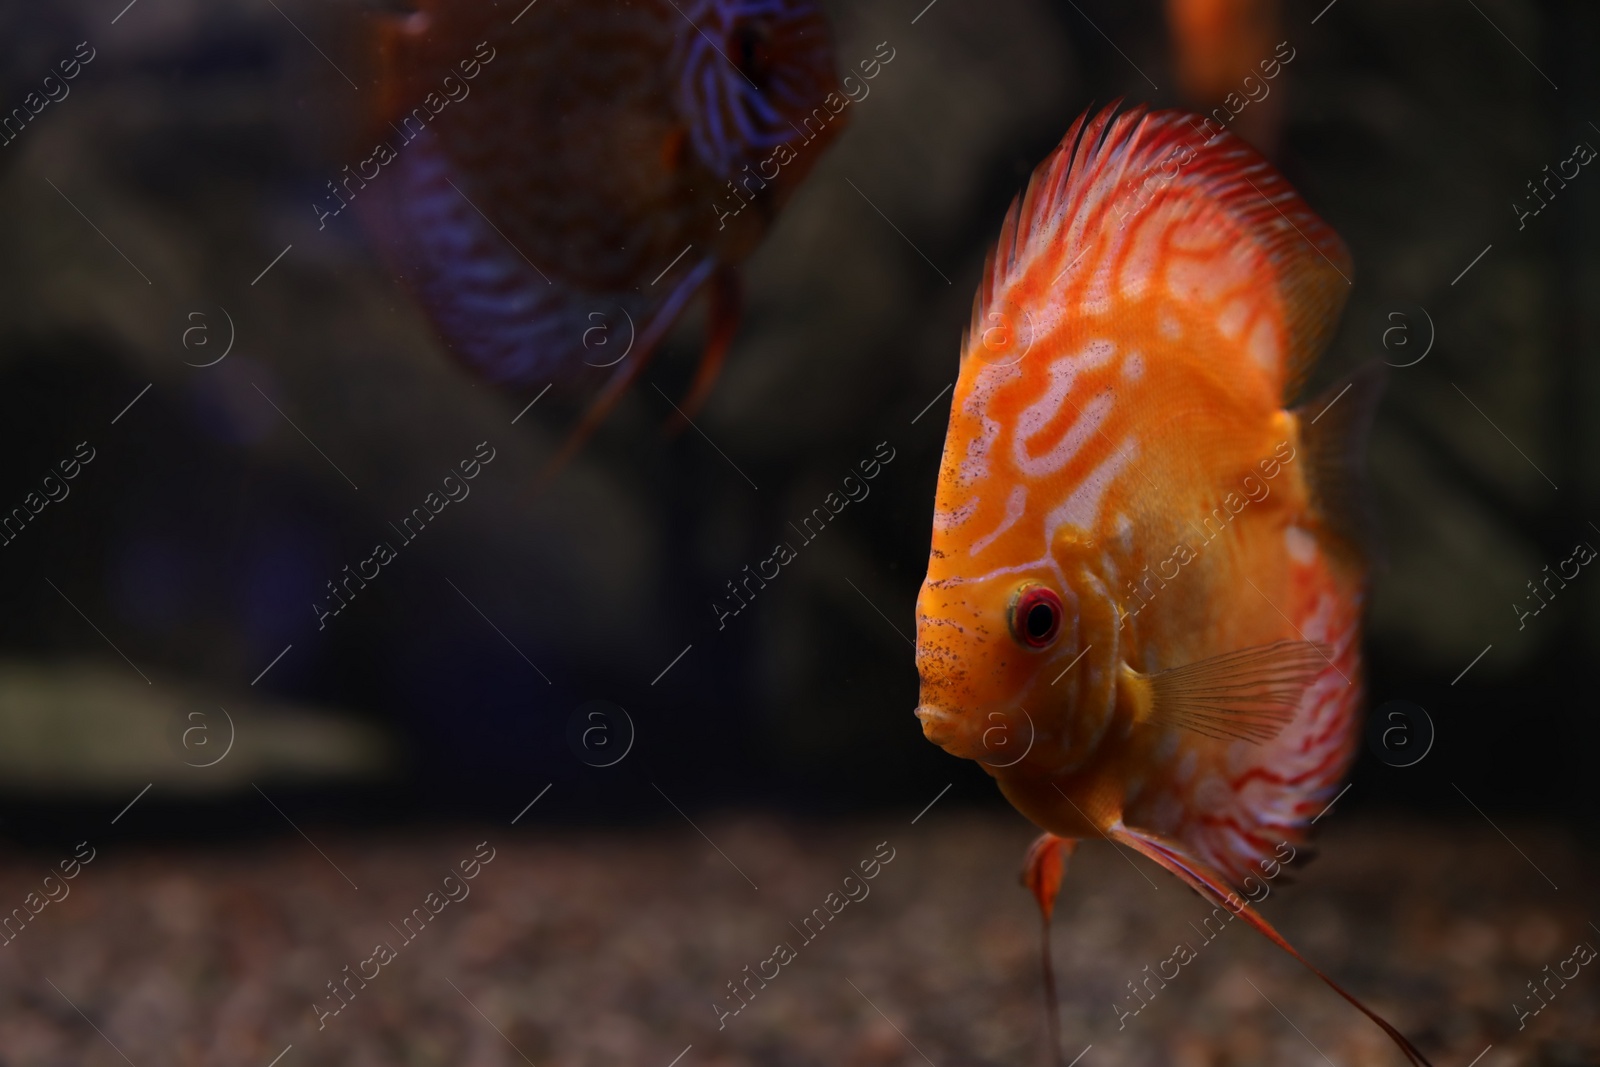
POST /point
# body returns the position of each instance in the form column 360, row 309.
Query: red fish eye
column 1036, row 616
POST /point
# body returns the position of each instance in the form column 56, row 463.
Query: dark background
column 207, row 524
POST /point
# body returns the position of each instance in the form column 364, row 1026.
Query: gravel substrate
column 594, row 948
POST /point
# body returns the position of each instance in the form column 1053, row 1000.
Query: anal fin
column 1213, row 887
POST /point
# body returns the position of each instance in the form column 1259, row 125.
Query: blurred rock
column 92, row 728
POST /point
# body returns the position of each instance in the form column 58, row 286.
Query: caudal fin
column 1334, row 427
column 1213, row 887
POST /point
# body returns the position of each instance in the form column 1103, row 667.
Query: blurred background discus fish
column 1146, row 568
column 567, row 176
column 1226, row 54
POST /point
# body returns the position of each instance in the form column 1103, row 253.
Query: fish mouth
column 944, row 728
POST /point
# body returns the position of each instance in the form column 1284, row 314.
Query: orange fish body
column 600, row 157
column 1143, row 606
column 1106, row 457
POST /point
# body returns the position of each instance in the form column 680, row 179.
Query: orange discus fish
column 1143, row 561
column 566, row 177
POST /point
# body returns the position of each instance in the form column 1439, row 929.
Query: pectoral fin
column 1213, row 887
column 1248, row 695
column 726, row 304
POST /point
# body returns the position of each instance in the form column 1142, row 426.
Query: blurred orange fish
column 1145, row 570
column 1223, row 51
column 564, row 178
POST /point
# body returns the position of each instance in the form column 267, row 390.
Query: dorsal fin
column 1109, row 168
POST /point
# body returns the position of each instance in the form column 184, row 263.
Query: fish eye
column 751, row 50
column 1036, row 615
